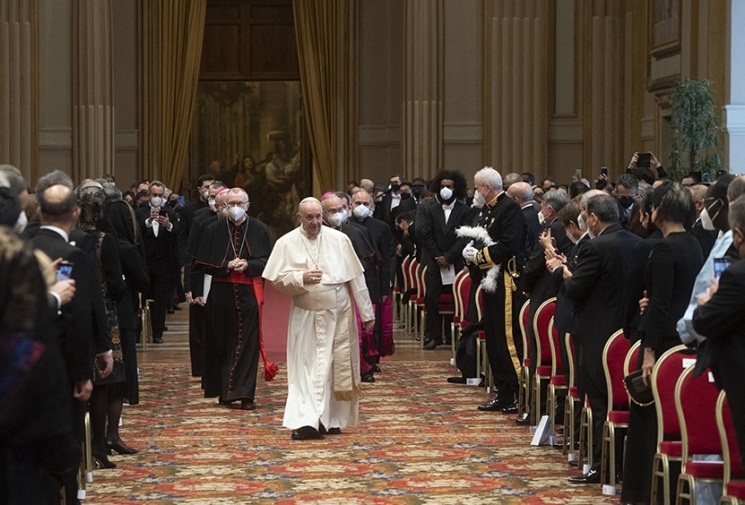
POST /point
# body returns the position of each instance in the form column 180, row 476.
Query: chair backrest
column 541, row 331
column 730, row 451
column 614, row 357
column 405, row 269
column 479, row 296
column 416, row 275
column 524, row 324
column 462, row 292
column 571, row 358
column 667, row 370
column 698, row 418
column 632, row 358
column 556, row 361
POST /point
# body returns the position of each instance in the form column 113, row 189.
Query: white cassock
column 323, row 359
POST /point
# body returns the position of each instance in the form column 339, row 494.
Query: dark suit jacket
column 75, row 331
column 161, row 252
column 596, row 288
column 505, row 223
column 564, row 313
column 534, row 228
column 722, row 321
column 385, row 244
column 634, row 288
column 437, row 237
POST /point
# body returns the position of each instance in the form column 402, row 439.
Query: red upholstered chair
column 407, row 286
column 734, row 473
column 558, row 381
column 572, row 397
column 667, row 370
column 542, row 330
column 445, row 306
column 695, row 403
column 614, row 358
column 482, row 359
column 411, row 291
column 523, row 396
column 415, row 299
column 461, row 291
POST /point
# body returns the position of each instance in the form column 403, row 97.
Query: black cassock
column 233, row 306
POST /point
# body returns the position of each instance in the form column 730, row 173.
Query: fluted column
column 516, row 91
column 423, row 88
column 19, row 84
column 93, row 90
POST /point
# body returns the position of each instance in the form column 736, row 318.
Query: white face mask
column 361, row 212
column 581, row 223
column 571, row 237
column 236, row 213
column 446, row 193
column 345, row 216
column 707, row 221
column 541, row 219
column 157, row 201
column 336, row 219
column 478, row 199
column 211, row 203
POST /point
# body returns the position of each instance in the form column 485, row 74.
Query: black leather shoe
column 101, row 461
column 119, row 447
column 523, row 420
column 221, row 401
column 248, row 405
column 432, row 345
column 376, row 369
column 457, row 380
column 512, row 408
column 496, row 404
column 306, row 433
column 157, row 340
column 591, row 477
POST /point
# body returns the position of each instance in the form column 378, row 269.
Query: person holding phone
column 161, row 254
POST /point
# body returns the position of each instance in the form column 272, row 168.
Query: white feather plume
column 476, row 233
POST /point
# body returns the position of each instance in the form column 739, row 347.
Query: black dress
column 669, row 275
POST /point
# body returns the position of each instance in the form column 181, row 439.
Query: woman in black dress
column 669, row 275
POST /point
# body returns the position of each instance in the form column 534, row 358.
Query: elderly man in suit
column 437, row 222
column 596, row 288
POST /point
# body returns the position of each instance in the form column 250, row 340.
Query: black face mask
column 405, row 196
column 417, row 190
column 395, row 187
column 626, row 201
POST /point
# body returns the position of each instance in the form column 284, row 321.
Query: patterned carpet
column 421, row 440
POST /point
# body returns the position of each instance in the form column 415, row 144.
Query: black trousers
column 504, row 351
column 591, row 381
column 434, row 321
column 160, row 293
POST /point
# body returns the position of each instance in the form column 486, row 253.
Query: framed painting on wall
column 665, row 30
column 251, row 134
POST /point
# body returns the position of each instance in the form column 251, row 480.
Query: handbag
column 640, row 393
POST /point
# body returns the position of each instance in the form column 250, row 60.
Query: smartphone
column 643, row 160
column 720, row 265
column 64, row 272
column 163, row 212
column 604, row 170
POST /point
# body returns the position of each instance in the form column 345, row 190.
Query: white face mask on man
column 211, row 203
column 335, row 219
column 236, row 214
column 361, row 212
column 157, row 201
column 581, row 223
column 446, row 193
column 478, row 199
column 707, row 221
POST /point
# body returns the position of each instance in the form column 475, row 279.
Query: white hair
column 490, row 177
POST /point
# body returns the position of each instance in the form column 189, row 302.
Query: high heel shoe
column 102, row 461
column 119, row 447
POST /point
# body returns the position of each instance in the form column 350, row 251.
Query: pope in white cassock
column 318, row 267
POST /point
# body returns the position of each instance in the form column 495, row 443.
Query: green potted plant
column 695, row 131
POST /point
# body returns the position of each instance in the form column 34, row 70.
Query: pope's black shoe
column 591, row 477
column 306, row 433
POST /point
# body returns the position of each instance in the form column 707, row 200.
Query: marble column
column 423, row 89
column 734, row 108
column 92, row 90
column 19, row 62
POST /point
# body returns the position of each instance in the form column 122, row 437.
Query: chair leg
column 660, row 472
column 685, row 482
column 551, row 408
column 568, row 444
column 521, row 393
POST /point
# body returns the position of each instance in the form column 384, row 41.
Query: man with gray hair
column 318, row 267
column 17, row 185
column 522, row 193
column 500, row 257
column 595, row 287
